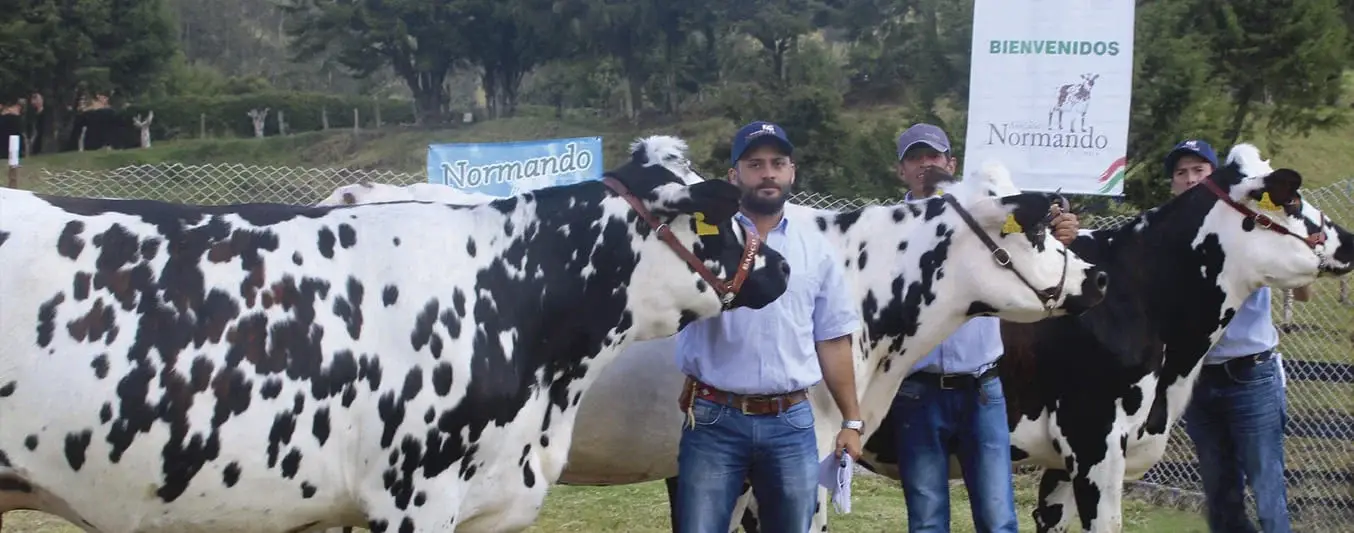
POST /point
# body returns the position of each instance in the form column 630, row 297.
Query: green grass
column 876, row 505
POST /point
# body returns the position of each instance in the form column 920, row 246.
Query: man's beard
column 754, row 202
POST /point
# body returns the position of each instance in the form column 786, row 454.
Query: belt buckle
column 743, row 405
column 945, row 380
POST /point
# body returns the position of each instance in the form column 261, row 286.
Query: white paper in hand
column 834, row 474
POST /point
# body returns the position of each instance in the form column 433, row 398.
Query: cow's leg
column 745, row 511
column 1100, row 491
column 1053, row 512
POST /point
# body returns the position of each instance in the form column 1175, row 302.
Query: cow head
column 1261, row 222
column 1030, row 275
column 699, row 215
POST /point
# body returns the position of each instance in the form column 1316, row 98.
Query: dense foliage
column 1215, row 69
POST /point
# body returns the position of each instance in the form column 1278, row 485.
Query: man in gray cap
column 951, row 402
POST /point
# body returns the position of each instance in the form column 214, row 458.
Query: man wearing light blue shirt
column 951, row 402
column 1238, row 410
column 746, row 401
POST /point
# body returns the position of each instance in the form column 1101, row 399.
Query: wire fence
column 1316, row 336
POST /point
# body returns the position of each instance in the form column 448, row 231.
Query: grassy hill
column 1323, row 157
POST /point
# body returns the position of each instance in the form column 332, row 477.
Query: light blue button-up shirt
column 771, row 350
column 1250, row 331
column 971, row 349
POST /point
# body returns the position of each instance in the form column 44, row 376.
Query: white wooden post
column 258, row 116
column 145, row 127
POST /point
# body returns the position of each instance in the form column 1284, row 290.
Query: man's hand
column 1065, row 225
column 850, row 440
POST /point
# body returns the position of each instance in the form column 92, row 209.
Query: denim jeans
column 778, row 451
column 1236, row 420
column 934, row 423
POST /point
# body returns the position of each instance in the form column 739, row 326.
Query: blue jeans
column 934, row 423
column 1236, row 419
column 778, row 451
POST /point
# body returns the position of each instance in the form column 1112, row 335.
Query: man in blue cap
column 1238, row 411
column 1189, row 163
column 748, row 371
column 951, row 402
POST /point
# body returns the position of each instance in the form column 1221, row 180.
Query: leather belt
column 751, row 404
column 1238, row 364
column 954, row 381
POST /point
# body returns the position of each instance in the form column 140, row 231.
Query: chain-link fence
column 1317, row 336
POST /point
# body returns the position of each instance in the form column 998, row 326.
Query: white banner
column 1050, row 87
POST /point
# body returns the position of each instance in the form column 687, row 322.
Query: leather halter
column 1003, row 257
column 1265, row 221
column 727, row 289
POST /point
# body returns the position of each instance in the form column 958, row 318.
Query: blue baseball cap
column 1190, row 147
column 755, row 134
column 932, row 135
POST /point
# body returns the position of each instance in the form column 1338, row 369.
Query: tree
column 68, row 51
column 507, row 39
column 1291, row 54
column 1175, row 95
column 420, row 40
column 627, row 30
column 778, row 24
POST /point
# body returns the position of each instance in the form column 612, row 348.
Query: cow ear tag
column 704, row 228
column 1011, row 226
column 1268, row 204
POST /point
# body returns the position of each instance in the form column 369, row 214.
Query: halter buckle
column 1001, row 256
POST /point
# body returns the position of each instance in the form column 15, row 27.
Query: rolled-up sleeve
column 835, row 312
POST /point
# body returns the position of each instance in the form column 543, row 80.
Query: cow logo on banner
column 509, row 168
column 1051, row 82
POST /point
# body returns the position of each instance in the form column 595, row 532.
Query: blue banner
column 509, row 168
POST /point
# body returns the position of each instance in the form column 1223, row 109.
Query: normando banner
column 1049, row 96
column 509, row 168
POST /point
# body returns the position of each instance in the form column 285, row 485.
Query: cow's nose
column 1102, row 280
column 785, row 268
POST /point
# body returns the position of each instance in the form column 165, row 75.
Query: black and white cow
column 1092, row 399
column 407, row 366
column 918, row 271
column 371, row 193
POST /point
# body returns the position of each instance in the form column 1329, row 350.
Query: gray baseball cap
column 932, row 135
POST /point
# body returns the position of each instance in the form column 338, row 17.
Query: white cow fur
column 370, row 193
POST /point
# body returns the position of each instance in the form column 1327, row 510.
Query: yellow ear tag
column 704, row 228
column 1011, row 226
column 1267, row 204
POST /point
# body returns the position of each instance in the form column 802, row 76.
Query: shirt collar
column 780, row 226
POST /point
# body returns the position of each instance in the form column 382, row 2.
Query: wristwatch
column 858, row 425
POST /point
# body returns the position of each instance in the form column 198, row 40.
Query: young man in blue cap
column 748, row 370
column 952, row 402
column 1237, row 414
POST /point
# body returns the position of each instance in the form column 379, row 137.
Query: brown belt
column 751, row 404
